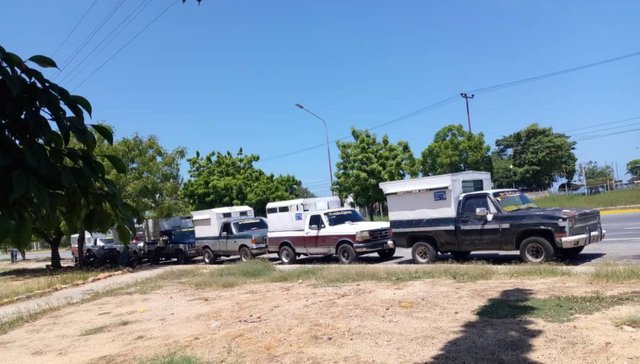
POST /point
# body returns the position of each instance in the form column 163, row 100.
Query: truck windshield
column 342, row 217
column 512, row 200
column 249, row 225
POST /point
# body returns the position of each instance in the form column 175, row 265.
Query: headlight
column 362, row 236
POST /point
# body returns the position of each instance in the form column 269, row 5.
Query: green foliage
column 366, row 162
column 47, row 180
column 219, row 179
column 633, row 167
column 538, row 156
column 596, row 175
column 609, row 199
column 151, row 182
column 455, row 150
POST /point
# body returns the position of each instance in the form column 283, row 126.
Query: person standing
column 14, row 255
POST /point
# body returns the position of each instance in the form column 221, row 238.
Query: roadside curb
column 619, row 209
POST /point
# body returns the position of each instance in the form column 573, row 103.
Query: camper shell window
column 283, row 209
column 472, row 185
column 272, row 210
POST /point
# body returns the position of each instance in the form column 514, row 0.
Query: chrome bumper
column 583, row 239
column 373, row 246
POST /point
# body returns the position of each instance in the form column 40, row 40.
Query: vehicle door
column 226, row 243
column 314, row 239
column 478, row 231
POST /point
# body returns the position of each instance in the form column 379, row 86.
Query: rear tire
column 536, row 249
column 181, row 257
column 208, row 256
column 347, row 254
column 387, row 253
column 423, row 253
column 245, row 254
column 287, row 255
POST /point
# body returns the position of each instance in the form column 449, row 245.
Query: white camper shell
column 291, row 214
column 207, row 223
column 433, row 196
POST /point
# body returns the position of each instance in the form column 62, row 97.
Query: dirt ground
column 409, row 322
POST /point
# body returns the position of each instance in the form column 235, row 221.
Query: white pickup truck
column 340, row 232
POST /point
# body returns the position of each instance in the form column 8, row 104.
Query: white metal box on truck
column 207, row 223
column 290, row 214
column 433, row 196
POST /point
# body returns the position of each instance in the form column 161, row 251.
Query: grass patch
column 27, row 283
column 614, row 273
column 173, row 359
column 20, row 320
column 553, row 309
column 626, row 197
column 630, row 319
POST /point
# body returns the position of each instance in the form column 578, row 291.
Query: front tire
column 181, row 257
column 423, row 253
column 536, row 249
column 347, row 254
column 387, row 253
column 287, row 255
column 208, row 256
column 245, row 254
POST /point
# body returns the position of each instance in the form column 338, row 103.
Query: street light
column 513, row 183
column 326, row 133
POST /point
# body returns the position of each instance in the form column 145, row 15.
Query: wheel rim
column 285, row 255
column 422, row 253
column 244, row 255
column 207, row 256
column 535, row 252
column 345, row 255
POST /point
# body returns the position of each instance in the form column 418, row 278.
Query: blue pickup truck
column 245, row 236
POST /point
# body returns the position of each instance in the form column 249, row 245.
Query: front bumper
column 258, row 249
column 374, row 246
column 583, row 239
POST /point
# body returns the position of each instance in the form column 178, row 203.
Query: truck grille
column 379, row 234
column 585, row 224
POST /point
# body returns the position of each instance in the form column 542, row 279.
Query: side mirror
column 481, row 211
column 314, row 227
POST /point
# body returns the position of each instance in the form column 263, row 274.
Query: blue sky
column 226, row 74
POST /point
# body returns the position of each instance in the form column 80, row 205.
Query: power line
column 135, row 12
column 607, row 135
column 606, row 129
column 553, row 74
column 455, row 98
column 602, row 124
column 90, row 36
column 125, row 45
column 74, row 28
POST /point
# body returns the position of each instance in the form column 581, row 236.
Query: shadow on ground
column 500, row 334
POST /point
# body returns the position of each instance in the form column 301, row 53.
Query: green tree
column 633, row 167
column 223, row 179
column 597, row 176
column 455, row 150
column 152, row 182
column 47, row 180
column 366, row 162
column 538, row 156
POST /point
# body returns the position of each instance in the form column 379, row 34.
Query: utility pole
column 466, row 99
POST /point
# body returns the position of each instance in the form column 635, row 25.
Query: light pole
column 513, row 182
column 326, row 133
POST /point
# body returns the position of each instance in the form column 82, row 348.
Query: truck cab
column 246, row 237
column 168, row 238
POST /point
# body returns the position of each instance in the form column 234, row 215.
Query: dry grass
column 630, row 319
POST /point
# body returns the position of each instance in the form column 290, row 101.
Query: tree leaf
column 82, row 102
column 104, row 132
column 43, row 61
column 117, row 163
